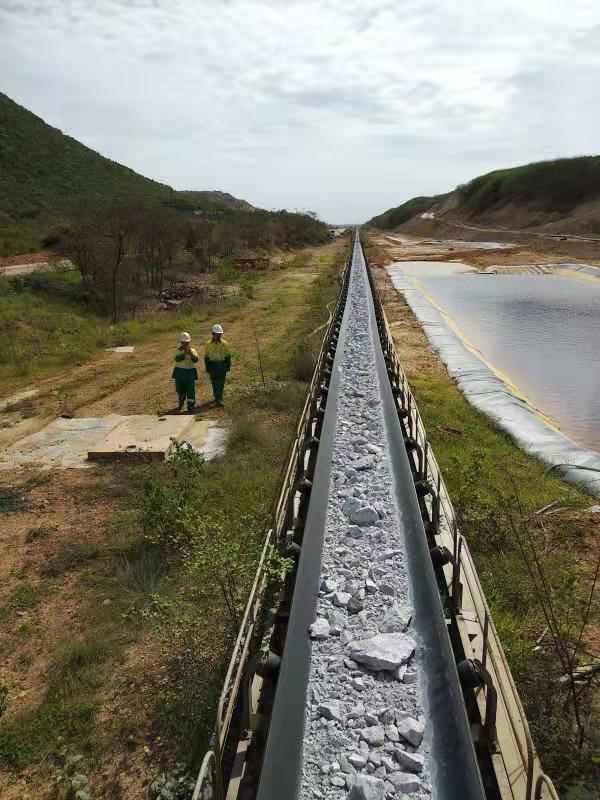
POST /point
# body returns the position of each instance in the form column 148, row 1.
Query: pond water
column 540, row 331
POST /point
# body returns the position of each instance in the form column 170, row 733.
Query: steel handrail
column 544, row 779
column 208, row 761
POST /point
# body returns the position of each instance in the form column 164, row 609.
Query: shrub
column 171, row 512
column 302, row 361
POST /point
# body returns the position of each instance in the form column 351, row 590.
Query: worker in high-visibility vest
column 185, row 372
column 217, row 360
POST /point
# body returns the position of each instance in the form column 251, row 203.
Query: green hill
column 565, row 190
column 43, row 171
column 553, row 186
column 396, row 216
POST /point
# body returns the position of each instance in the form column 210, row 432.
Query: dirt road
column 564, row 237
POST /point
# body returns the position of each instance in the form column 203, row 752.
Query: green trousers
column 185, row 386
column 217, row 374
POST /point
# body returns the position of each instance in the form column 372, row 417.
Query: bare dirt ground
column 544, row 246
column 399, row 246
column 29, row 262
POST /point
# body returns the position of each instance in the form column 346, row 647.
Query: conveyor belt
column 452, row 761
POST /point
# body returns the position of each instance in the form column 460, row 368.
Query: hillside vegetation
column 396, row 216
column 564, row 191
column 43, row 170
column 548, row 185
column 221, row 198
column 47, row 177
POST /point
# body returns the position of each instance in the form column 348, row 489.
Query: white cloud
column 342, row 106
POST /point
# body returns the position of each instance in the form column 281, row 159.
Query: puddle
column 523, row 350
column 210, row 445
column 468, row 245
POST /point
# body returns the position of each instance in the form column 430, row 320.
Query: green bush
column 171, row 512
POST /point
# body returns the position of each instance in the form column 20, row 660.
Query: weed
column 243, row 436
column 177, row 784
column 12, row 499
column 71, row 555
column 171, row 512
column 121, row 522
column 79, row 663
column 248, row 289
column 24, row 597
column 40, row 532
column 142, row 574
column 286, row 397
column 187, row 708
column 3, row 698
column 70, row 780
column 25, row 660
column 302, row 361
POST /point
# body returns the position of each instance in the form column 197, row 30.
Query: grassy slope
column 43, row 170
column 150, row 679
column 554, row 188
column 488, row 476
column 393, row 217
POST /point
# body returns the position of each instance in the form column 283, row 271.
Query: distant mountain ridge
column 221, row 198
column 551, row 195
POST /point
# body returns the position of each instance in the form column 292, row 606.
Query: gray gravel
column 366, row 735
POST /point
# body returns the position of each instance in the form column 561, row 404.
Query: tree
column 102, row 245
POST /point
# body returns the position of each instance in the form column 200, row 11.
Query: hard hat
column 185, row 337
column 217, row 329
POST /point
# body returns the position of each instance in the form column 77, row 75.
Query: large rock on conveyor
column 367, row 788
column 385, row 651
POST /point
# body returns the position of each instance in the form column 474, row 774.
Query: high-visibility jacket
column 185, row 363
column 217, row 355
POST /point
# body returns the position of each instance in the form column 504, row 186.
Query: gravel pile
column 365, row 723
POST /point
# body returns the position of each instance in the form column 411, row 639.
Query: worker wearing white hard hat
column 217, row 361
column 185, row 372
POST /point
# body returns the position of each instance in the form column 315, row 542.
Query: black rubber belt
column 453, row 764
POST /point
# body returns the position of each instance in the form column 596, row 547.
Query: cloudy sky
column 345, row 107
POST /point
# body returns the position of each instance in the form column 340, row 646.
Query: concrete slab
column 81, row 442
column 127, row 348
column 145, row 437
column 63, row 443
